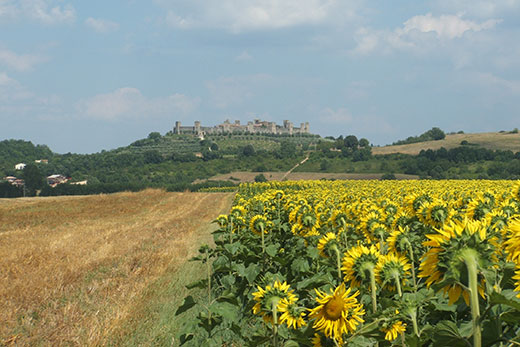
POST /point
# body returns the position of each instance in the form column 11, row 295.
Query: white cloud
column 445, row 26
column 479, row 8
column 101, row 25
column 419, row 33
column 244, row 56
column 234, row 90
column 7, row 9
column 44, row 11
column 21, row 62
column 130, row 103
column 239, row 15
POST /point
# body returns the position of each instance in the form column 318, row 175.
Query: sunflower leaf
column 186, row 305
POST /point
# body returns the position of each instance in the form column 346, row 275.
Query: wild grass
column 81, row 270
column 494, row 141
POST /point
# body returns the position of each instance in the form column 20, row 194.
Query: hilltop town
column 256, row 126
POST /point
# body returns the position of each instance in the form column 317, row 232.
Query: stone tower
column 177, row 129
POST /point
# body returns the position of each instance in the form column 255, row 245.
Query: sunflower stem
column 231, row 231
column 263, row 241
column 208, row 267
column 413, row 316
column 338, row 260
column 397, row 283
column 275, row 323
column 373, row 288
column 470, row 258
column 410, row 251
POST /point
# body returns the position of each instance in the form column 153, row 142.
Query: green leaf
column 272, row 250
column 233, row 248
column 313, row 282
column 300, row 265
column 186, row 305
column 291, row 343
column 511, row 317
column 252, row 272
column 203, row 283
column 446, row 333
column 185, row 338
column 228, row 281
column 505, row 298
column 225, row 310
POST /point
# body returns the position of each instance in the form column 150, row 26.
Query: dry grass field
column 76, row 270
column 242, row 176
column 494, row 141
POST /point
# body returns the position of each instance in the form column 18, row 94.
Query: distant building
column 41, row 161
column 10, row 179
column 54, row 180
column 256, row 126
column 80, row 183
column 20, row 166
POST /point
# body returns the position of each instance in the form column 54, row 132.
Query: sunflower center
column 334, row 308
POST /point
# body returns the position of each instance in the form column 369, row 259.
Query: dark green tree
column 248, row 150
column 363, row 142
column 351, row 141
column 33, row 179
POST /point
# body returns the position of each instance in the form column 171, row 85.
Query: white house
column 20, row 166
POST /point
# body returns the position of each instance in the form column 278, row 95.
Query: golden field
column 503, row 141
column 76, row 270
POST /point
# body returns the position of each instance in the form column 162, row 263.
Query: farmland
column 493, row 141
column 87, row 270
column 362, row 263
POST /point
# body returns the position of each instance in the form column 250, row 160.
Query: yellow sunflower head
column 357, row 261
column 444, row 262
column 222, row 220
column 326, row 244
column 390, row 268
column 258, row 224
column 392, row 331
column 291, row 313
column 270, row 298
column 337, row 313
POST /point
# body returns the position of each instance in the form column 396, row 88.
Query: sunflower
column 291, row 313
column 392, row 269
column 337, row 313
column 257, row 224
column 222, row 220
column 453, row 249
column 393, row 331
column 356, row 262
column 326, row 244
column 270, row 298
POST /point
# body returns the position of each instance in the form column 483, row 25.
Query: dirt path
column 295, row 166
column 72, row 268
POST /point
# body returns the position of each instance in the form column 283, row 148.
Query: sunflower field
column 362, row 263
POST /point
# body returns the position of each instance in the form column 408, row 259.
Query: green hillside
column 226, row 143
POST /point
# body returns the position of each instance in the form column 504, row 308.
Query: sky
column 86, row 76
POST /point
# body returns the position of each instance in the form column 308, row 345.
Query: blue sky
column 82, row 76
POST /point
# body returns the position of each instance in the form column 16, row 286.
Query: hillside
column 185, row 144
column 85, row 270
column 493, row 141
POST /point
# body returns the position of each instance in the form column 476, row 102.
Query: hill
column 226, row 143
column 493, row 141
column 85, row 270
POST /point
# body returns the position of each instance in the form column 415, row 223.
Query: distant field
column 240, row 177
column 79, row 270
column 494, row 141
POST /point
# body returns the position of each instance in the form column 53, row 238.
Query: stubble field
column 80, row 270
